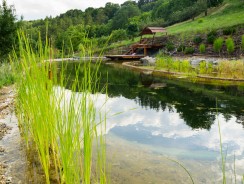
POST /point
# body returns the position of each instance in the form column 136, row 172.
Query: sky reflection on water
column 179, row 121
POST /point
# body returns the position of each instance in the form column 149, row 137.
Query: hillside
column 117, row 25
column 229, row 14
column 224, row 21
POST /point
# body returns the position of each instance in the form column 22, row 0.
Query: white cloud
column 38, row 9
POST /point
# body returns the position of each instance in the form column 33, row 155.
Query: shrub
column 229, row 31
column 197, row 40
column 211, row 36
column 181, row 48
column 185, row 66
column 200, row 21
column 230, row 45
column 170, row 46
column 189, row 50
column 242, row 42
column 202, row 48
column 118, row 35
column 218, row 44
column 203, row 67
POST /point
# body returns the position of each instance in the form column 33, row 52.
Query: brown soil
column 6, row 107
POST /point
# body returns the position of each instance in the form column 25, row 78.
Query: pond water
column 163, row 123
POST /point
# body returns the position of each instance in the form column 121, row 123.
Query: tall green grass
column 61, row 123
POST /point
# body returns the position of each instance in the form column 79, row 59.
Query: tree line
column 112, row 22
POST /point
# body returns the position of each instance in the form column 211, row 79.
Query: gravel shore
column 6, row 107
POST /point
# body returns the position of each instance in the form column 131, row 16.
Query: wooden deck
column 124, row 57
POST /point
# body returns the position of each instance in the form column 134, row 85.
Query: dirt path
column 6, row 107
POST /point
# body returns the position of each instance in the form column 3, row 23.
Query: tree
column 121, row 18
column 8, row 29
column 110, row 9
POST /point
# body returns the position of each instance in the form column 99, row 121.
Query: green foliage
column 231, row 69
column 202, row 48
column 118, row 35
column 181, row 48
column 8, row 28
column 242, row 42
column 60, row 124
column 224, row 16
column 164, row 61
column 200, row 21
column 197, row 40
column 178, row 10
column 211, row 36
column 202, row 67
column 189, row 50
column 170, row 46
column 121, row 17
column 218, row 44
column 205, row 68
column 229, row 31
column 230, row 45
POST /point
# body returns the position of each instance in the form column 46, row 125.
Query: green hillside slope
column 229, row 14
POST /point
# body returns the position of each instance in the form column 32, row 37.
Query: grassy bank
column 229, row 14
column 224, row 69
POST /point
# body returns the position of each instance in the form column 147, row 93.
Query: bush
column 197, row 40
column 181, row 48
column 189, row 50
column 229, row 31
column 211, row 36
column 242, row 42
column 118, row 35
column 230, row 45
column 202, row 48
column 200, row 21
column 170, row 46
column 218, row 44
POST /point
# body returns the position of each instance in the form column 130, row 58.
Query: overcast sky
column 37, row 9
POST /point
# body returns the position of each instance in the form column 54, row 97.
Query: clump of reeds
column 170, row 64
column 231, row 69
column 61, row 123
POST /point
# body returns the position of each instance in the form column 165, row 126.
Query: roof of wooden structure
column 153, row 30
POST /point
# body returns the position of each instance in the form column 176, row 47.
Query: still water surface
column 158, row 120
column 163, row 119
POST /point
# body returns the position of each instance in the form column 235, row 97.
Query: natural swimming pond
column 160, row 122
column 153, row 126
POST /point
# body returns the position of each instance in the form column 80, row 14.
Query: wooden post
column 145, row 51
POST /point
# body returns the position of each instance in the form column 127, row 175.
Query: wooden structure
column 153, row 31
column 124, row 57
column 145, row 44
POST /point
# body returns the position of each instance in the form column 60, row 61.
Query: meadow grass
column 61, row 123
column 227, row 15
